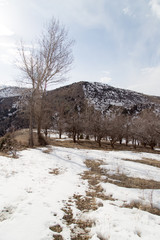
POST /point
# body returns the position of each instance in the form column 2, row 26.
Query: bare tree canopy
column 44, row 63
column 49, row 58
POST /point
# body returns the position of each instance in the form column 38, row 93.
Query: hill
column 103, row 97
column 76, row 98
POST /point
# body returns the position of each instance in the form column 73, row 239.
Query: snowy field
column 63, row 193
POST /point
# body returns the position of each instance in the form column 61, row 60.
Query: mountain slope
column 103, row 97
column 75, row 98
column 7, row 92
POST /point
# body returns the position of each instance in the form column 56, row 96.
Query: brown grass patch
column 68, row 216
column 92, row 145
column 94, row 178
column 143, row 207
column 56, row 228
column 57, row 237
column 81, row 228
column 22, row 138
column 130, row 182
column 117, row 179
column 85, row 203
column 147, row 161
column 55, row 171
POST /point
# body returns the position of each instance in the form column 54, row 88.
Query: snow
column 11, row 92
column 32, row 197
column 102, row 96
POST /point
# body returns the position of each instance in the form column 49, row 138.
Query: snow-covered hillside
column 102, row 96
column 49, row 193
column 11, row 92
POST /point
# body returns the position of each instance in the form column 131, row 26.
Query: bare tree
column 74, row 125
column 44, row 64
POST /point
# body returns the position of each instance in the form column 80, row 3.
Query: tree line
column 142, row 129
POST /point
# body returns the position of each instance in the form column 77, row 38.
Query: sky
column 116, row 42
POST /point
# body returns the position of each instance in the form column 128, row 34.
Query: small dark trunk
column 135, row 145
column 99, row 141
column 41, row 140
column 87, row 137
column 31, row 142
column 46, row 132
column 39, row 131
column 74, row 137
column 60, row 134
column 112, row 144
column 78, row 136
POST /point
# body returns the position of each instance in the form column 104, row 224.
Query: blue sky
column 116, row 42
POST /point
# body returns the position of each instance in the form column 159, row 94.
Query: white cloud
column 127, row 11
column 5, row 31
column 148, row 81
column 155, row 6
column 106, row 78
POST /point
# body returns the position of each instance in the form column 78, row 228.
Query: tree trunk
column 135, row 145
column 31, row 143
column 46, row 132
column 78, row 136
column 112, row 143
column 41, row 140
column 60, row 133
column 39, row 129
column 74, row 137
column 31, row 117
column 99, row 142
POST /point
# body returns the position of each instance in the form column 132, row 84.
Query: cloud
column 106, row 78
column 155, row 6
column 127, row 11
column 5, row 31
column 147, row 81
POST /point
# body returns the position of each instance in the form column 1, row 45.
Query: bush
column 7, row 143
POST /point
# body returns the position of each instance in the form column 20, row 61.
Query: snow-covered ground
column 35, row 187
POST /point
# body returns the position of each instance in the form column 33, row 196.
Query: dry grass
column 56, row 228
column 85, row 203
column 57, row 237
column 22, row 136
column 147, row 161
column 55, row 171
column 148, row 208
column 94, row 176
column 81, row 227
column 130, row 182
column 89, row 144
column 118, row 179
